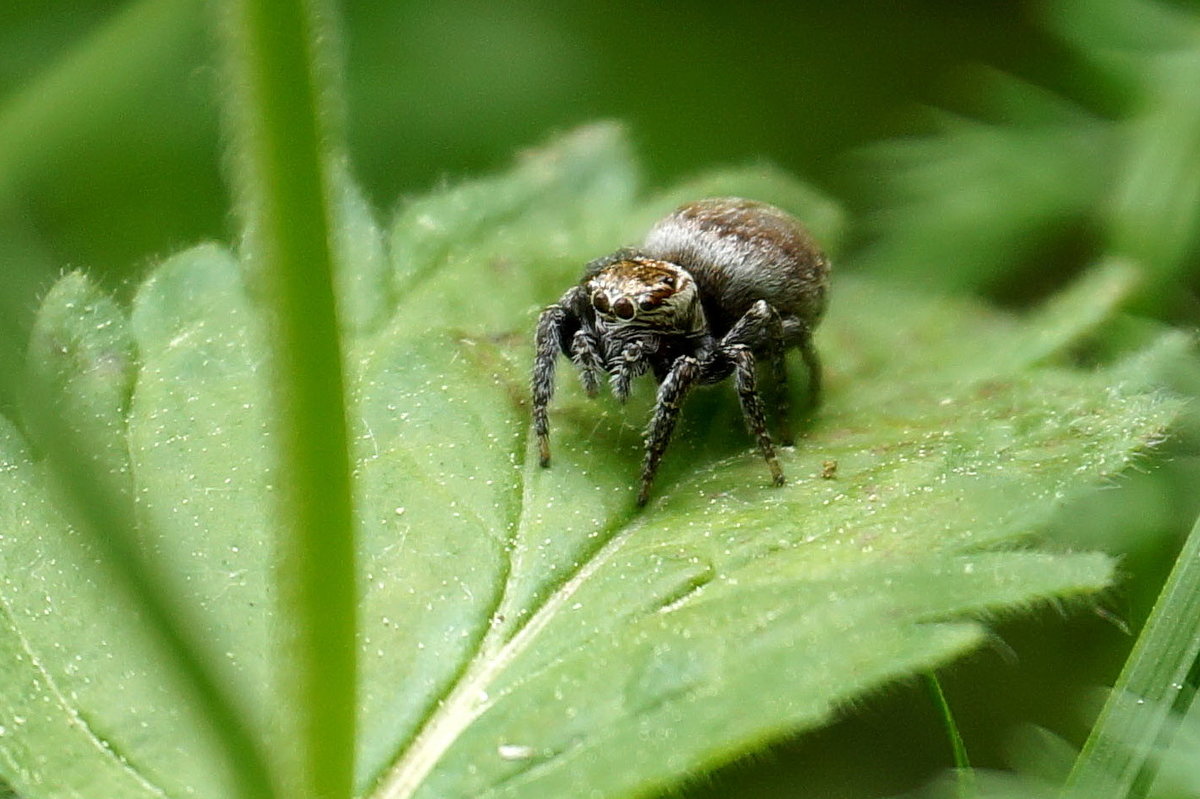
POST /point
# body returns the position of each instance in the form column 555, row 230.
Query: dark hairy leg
column 811, row 360
column 679, row 381
column 798, row 332
column 752, row 408
column 761, row 328
column 546, row 346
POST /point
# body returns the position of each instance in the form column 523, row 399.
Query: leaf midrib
column 468, row 699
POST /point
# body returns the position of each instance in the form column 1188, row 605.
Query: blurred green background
column 111, row 157
column 110, row 151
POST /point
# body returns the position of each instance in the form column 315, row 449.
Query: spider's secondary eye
column 669, row 281
column 648, row 304
column 600, row 302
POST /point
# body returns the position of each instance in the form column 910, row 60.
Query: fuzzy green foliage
column 995, row 199
column 1011, row 202
column 528, row 632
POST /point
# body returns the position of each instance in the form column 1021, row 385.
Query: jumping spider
column 716, row 285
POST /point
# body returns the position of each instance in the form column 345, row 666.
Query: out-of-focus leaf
column 1179, row 770
column 967, row 205
column 989, row 785
column 528, row 631
column 83, row 351
column 1135, row 720
column 962, row 208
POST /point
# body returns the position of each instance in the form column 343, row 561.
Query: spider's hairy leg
column 809, row 353
column 679, row 381
column 752, row 409
column 548, row 342
column 587, row 359
column 761, row 328
column 799, row 332
column 783, row 397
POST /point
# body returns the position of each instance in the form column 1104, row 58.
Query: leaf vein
column 75, row 719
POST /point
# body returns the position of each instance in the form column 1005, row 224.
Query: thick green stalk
column 279, row 126
column 1117, row 755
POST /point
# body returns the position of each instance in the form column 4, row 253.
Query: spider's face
column 645, row 293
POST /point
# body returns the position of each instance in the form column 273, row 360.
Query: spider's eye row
column 600, row 301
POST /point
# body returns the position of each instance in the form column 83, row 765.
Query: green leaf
column 528, row 632
column 1135, row 718
column 963, row 207
column 966, row 205
column 82, row 349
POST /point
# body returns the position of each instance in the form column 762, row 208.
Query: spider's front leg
column 555, row 325
column 684, row 374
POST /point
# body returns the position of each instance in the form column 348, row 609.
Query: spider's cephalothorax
column 643, row 311
column 638, row 292
column 714, row 286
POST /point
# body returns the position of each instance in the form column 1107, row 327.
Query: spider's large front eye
column 600, row 302
column 623, row 308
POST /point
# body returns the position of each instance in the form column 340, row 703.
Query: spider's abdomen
column 741, row 251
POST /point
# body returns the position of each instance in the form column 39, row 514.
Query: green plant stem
column 1116, row 759
column 962, row 764
column 279, row 124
